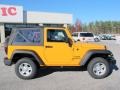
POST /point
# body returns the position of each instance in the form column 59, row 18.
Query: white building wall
column 48, row 18
column 21, row 16
column 15, row 14
column 2, row 33
column 17, row 17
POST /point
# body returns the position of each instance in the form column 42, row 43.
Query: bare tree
column 78, row 26
column 73, row 29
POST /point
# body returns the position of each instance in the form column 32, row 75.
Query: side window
column 27, row 36
column 56, row 36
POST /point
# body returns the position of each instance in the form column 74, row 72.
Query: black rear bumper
column 7, row 62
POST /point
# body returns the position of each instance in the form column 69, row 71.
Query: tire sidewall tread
column 29, row 61
column 93, row 62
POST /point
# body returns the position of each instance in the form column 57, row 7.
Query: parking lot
column 61, row 79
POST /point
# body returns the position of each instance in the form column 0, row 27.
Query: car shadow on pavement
column 44, row 72
column 47, row 71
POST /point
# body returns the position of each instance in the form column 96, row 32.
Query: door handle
column 49, row 46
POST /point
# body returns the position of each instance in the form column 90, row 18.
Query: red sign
column 8, row 11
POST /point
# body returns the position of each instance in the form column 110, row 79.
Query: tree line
column 97, row 27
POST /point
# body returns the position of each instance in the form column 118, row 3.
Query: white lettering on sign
column 11, row 13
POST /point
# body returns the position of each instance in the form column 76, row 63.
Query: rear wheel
column 25, row 68
column 98, row 68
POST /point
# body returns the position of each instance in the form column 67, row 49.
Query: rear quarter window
column 29, row 36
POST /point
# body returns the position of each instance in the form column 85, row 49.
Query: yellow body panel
column 61, row 54
column 39, row 50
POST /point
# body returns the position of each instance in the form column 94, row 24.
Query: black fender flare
column 88, row 55
column 37, row 58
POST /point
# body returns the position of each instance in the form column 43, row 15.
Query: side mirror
column 70, row 42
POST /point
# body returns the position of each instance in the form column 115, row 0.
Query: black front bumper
column 7, row 62
column 110, row 57
column 113, row 61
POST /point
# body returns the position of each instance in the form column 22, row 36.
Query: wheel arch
column 18, row 54
column 92, row 54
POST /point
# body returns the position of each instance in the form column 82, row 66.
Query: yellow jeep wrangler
column 32, row 48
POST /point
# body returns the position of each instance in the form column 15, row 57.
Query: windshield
column 86, row 35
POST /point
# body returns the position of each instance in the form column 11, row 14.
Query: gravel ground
column 61, row 80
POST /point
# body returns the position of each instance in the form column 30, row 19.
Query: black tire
column 30, row 64
column 97, row 61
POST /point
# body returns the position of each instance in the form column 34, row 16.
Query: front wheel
column 98, row 68
column 25, row 68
